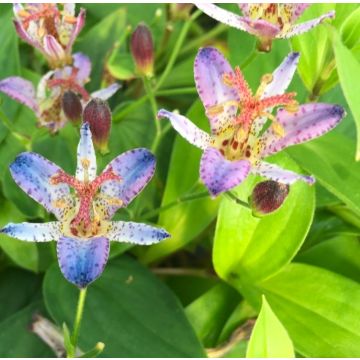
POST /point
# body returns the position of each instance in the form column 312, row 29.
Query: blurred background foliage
column 200, row 292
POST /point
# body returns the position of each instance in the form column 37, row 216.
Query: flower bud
column 180, row 11
column 142, row 49
column 97, row 113
column 268, row 196
column 71, row 106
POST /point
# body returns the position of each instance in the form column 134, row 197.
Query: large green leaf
column 331, row 160
column 348, row 69
column 128, row 309
column 16, row 340
column 319, row 309
column 209, row 312
column 186, row 220
column 269, row 338
column 248, row 248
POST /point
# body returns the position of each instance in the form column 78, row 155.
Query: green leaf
column 128, row 309
column 243, row 242
column 319, row 309
column 187, row 220
column 99, row 41
column 331, row 160
column 16, row 341
column 209, row 312
column 121, row 65
column 269, row 338
column 349, row 75
column 340, row 254
column 350, row 29
column 17, row 289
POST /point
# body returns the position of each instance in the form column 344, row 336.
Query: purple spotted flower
column 243, row 127
column 84, row 229
column 266, row 21
column 46, row 102
column 50, row 28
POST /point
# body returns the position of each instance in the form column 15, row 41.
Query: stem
column 179, row 91
column 183, row 271
column 237, row 200
column 178, row 201
column 77, row 322
column 154, row 108
column 194, row 44
column 253, row 55
column 177, row 48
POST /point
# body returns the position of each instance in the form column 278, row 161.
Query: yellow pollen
column 265, row 80
column 292, row 107
column 226, row 80
column 23, row 13
column 85, row 163
column 278, row 129
column 70, row 19
column 59, row 204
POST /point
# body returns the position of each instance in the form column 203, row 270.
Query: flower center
column 87, row 222
column 277, row 14
column 242, row 139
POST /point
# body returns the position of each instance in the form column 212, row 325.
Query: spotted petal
column 20, row 90
column 219, row 174
column 134, row 233
column 33, row 232
column 282, row 76
column 86, row 159
column 306, row 26
column 136, row 168
column 187, row 129
column 106, row 93
column 209, row 69
column 82, row 260
column 276, row 173
column 32, row 173
column 23, row 34
column 309, row 122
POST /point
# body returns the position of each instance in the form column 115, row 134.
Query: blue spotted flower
column 84, row 205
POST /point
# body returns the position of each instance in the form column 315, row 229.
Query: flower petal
column 276, row 173
column 135, row 233
column 82, row 260
column 282, row 76
column 306, row 26
column 209, row 69
column 187, row 129
column 296, row 10
column 23, row 34
column 106, row 93
column 33, row 232
column 219, row 174
column 86, row 158
column 20, row 90
column 32, row 173
column 83, row 64
column 309, row 122
column 80, row 22
column 52, row 48
column 136, row 168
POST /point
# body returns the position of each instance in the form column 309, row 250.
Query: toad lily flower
column 49, row 29
column 243, row 128
column 46, row 102
column 84, row 227
column 266, row 21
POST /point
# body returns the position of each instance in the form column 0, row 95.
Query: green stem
column 97, row 350
column 77, row 322
column 177, row 48
column 196, row 43
column 178, row 91
column 178, row 201
column 154, row 108
column 237, row 200
column 253, row 55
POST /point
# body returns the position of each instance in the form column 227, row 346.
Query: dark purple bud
column 142, row 49
column 71, row 106
column 180, row 11
column 268, row 196
column 97, row 113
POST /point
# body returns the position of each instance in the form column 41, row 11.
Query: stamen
column 265, row 81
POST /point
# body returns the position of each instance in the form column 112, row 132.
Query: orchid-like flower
column 84, row 228
column 46, row 102
column 243, row 128
column 50, row 29
column 266, row 21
